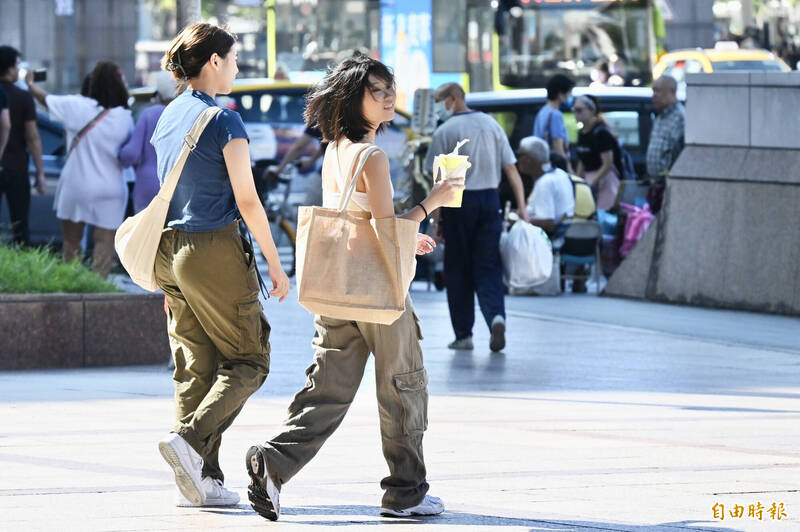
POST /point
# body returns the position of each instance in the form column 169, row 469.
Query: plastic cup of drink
column 449, row 163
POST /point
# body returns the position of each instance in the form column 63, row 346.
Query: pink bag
column 639, row 219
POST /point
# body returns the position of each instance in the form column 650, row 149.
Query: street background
column 600, row 414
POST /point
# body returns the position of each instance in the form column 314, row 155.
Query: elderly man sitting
column 557, row 196
column 552, row 199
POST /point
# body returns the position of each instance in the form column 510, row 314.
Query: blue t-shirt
column 203, row 199
column 549, row 125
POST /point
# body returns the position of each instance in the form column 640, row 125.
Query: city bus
column 482, row 44
column 539, row 38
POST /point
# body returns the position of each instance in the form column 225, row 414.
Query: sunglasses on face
column 578, row 109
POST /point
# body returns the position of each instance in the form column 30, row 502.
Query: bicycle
column 274, row 190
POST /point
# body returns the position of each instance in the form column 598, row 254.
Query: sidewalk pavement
column 601, row 414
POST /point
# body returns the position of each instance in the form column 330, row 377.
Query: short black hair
column 8, row 58
column 559, row 84
column 334, row 104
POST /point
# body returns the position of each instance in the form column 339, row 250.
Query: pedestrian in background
column 219, row 336
column 91, row 189
column 23, row 138
column 552, row 200
column 138, row 152
column 350, row 106
column 471, row 232
column 598, row 151
column 314, row 185
column 5, row 123
column 666, row 138
column 549, row 123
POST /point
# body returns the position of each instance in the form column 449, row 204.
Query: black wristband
column 423, row 209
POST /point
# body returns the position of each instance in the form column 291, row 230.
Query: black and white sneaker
column 430, row 505
column 264, row 495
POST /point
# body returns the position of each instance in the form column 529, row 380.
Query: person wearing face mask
column 549, row 123
column 442, row 111
column 472, row 232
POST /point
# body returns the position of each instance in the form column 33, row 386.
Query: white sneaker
column 498, row 339
column 187, row 466
column 430, row 505
column 464, row 343
column 264, row 495
column 216, row 495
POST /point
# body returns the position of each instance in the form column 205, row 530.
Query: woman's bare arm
column 237, row 160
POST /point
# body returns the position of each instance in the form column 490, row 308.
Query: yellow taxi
column 725, row 57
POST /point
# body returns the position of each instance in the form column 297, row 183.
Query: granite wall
column 81, row 330
column 728, row 235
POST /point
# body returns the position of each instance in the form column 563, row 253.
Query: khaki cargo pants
column 341, row 351
column 217, row 333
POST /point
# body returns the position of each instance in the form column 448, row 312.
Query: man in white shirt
column 552, row 199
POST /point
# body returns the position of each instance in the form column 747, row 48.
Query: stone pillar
column 728, row 235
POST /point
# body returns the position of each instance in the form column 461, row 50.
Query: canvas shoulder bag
column 137, row 239
column 351, row 266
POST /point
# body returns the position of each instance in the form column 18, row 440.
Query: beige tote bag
column 137, row 239
column 351, row 266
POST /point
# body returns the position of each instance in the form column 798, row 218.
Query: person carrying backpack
column 600, row 158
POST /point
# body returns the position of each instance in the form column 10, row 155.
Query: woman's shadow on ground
column 348, row 515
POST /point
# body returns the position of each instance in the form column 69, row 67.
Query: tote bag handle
column 351, row 187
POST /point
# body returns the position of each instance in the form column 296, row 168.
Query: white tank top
column 331, row 199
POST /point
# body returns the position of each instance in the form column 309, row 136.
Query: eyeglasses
column 578, row 109
column 382, row 94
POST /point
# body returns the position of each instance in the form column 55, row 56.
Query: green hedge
column 37, row 271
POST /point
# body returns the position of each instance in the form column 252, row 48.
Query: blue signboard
column 407, row 47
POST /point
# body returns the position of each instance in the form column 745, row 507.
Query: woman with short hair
column 350, row 106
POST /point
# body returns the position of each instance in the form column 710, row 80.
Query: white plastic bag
column 527, row 256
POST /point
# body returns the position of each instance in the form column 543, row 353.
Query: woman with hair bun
column 598, row 151
column 218, row 333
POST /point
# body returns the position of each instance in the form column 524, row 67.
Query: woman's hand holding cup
column 445, row 191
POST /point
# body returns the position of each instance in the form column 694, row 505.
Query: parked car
column 724, row 59
column 727, row 57
column 628, row 110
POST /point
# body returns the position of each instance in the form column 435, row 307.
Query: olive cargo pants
column 341, row 351
column 217, row 333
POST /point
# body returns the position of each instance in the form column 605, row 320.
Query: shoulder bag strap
column 82, row 133
column 351, row 187
column 189, row 143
